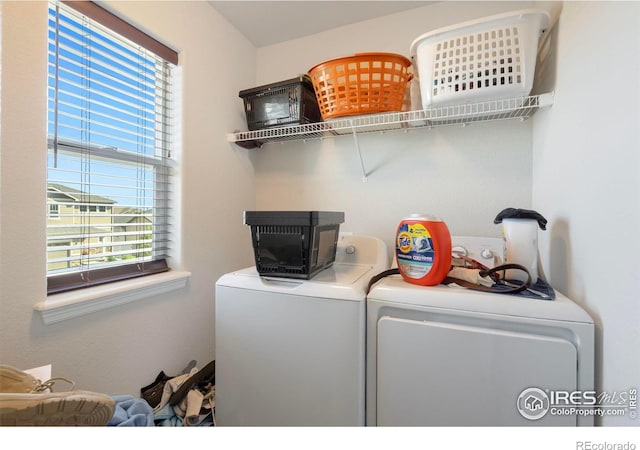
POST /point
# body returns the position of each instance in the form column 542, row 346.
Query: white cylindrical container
column 521, row 247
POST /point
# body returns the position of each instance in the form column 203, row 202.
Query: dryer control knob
column 486, row 253
column 459, row 249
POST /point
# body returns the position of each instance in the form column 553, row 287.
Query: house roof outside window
column 60, row 192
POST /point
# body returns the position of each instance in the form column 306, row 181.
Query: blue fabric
column 131, row 412
column 166, row 417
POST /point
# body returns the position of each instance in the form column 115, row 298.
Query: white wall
column 464, row 175
column 586, row 179
column 119, row 350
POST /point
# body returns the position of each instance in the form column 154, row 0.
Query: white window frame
column 66, row 305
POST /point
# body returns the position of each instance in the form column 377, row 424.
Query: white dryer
column 291, row 352
column 448, row 356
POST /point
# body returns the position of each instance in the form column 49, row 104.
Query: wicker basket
column 365, row 83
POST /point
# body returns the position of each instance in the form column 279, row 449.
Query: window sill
column 68, row 305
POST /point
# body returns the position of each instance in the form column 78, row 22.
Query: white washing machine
column 448, row 356
column 292, row 352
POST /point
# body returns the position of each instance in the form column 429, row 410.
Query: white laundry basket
column 488, row 58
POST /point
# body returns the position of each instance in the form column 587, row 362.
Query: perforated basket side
column 489, row 58
column 281, row 250
column 365, row 83
column 289, row 102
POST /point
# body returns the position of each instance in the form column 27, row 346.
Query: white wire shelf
column 491, row 110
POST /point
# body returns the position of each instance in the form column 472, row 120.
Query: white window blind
column 109, row 154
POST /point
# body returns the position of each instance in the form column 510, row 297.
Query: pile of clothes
column 184, row 400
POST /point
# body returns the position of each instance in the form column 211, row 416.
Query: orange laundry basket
column 364, row 83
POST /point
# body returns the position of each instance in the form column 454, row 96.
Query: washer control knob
column 350, row 249
column 486, row 253
column 459, row 249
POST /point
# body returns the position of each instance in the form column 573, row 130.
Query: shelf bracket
column 355, row 140
column 545, row 100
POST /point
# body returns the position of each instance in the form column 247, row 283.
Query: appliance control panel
column 355, row 249
column 486, row 250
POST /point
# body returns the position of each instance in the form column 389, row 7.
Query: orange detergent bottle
column 423, row 249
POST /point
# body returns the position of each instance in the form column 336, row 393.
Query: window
column 109, row 149
column 54, row 210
